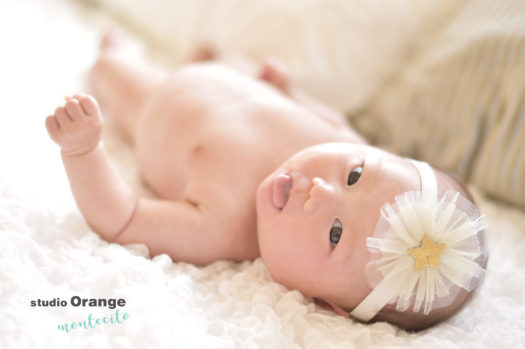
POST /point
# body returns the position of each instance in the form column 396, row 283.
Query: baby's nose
column 319, row 184
column 320, row 193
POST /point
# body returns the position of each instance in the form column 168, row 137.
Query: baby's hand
column 77, row 126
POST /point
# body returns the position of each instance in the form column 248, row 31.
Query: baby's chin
column 260, row 197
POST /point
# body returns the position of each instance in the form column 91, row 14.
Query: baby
column 244, row 166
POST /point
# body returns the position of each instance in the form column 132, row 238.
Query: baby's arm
column 106, row 202
column 183, row 230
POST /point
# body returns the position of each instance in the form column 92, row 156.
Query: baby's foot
column 77, row 126
column 202, row 53
column 115, row 41
column 109, row 40
column 274, row 73
column 115, row 48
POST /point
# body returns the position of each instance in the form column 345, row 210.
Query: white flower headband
column 424, row 250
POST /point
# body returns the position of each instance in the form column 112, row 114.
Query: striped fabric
column 460, row 102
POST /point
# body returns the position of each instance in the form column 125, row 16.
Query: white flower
column 427, row 249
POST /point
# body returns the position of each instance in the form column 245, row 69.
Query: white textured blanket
column 48, row 252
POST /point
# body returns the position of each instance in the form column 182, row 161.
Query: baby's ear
column 331, row 306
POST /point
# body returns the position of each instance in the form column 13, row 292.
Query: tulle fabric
column 453, row 221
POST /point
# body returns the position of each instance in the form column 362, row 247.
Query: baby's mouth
column 280, row 190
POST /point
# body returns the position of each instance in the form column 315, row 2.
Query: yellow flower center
column 427, row 254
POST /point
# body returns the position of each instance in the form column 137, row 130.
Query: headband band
column 423, row 249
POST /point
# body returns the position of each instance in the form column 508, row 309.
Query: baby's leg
column 274, row 73
column 122, row 82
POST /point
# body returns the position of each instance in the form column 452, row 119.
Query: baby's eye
column 335, row 232
column 353, row 177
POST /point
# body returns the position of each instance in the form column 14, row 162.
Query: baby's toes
column 202, row 53
column 275, row 73
column 89, row 105
column 73, row 109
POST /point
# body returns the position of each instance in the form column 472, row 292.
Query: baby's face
column 316, row 210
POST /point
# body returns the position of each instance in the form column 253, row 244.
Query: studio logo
column 117, row 317
column 92, row 322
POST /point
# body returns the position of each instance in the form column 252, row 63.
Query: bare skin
column 244, row 165
column 205, row 137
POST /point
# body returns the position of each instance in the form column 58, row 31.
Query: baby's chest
column 221, row 169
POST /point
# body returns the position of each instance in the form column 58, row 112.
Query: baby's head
column 319, row 210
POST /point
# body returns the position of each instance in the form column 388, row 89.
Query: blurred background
column 439, row 80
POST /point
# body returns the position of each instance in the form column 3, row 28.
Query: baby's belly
column 193, row 157
column 174, row 134
column 162, row 149
column 209, row 174
column 182, row 137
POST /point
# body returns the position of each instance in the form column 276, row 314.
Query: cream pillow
column 460, row 104
column 341, row 51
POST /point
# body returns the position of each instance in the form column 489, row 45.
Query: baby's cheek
column 279, row 267
column 277, row 248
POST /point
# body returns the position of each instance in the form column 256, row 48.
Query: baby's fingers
column 89, row 105
column 61, row 116
column 73, row 109
column 52, row 125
